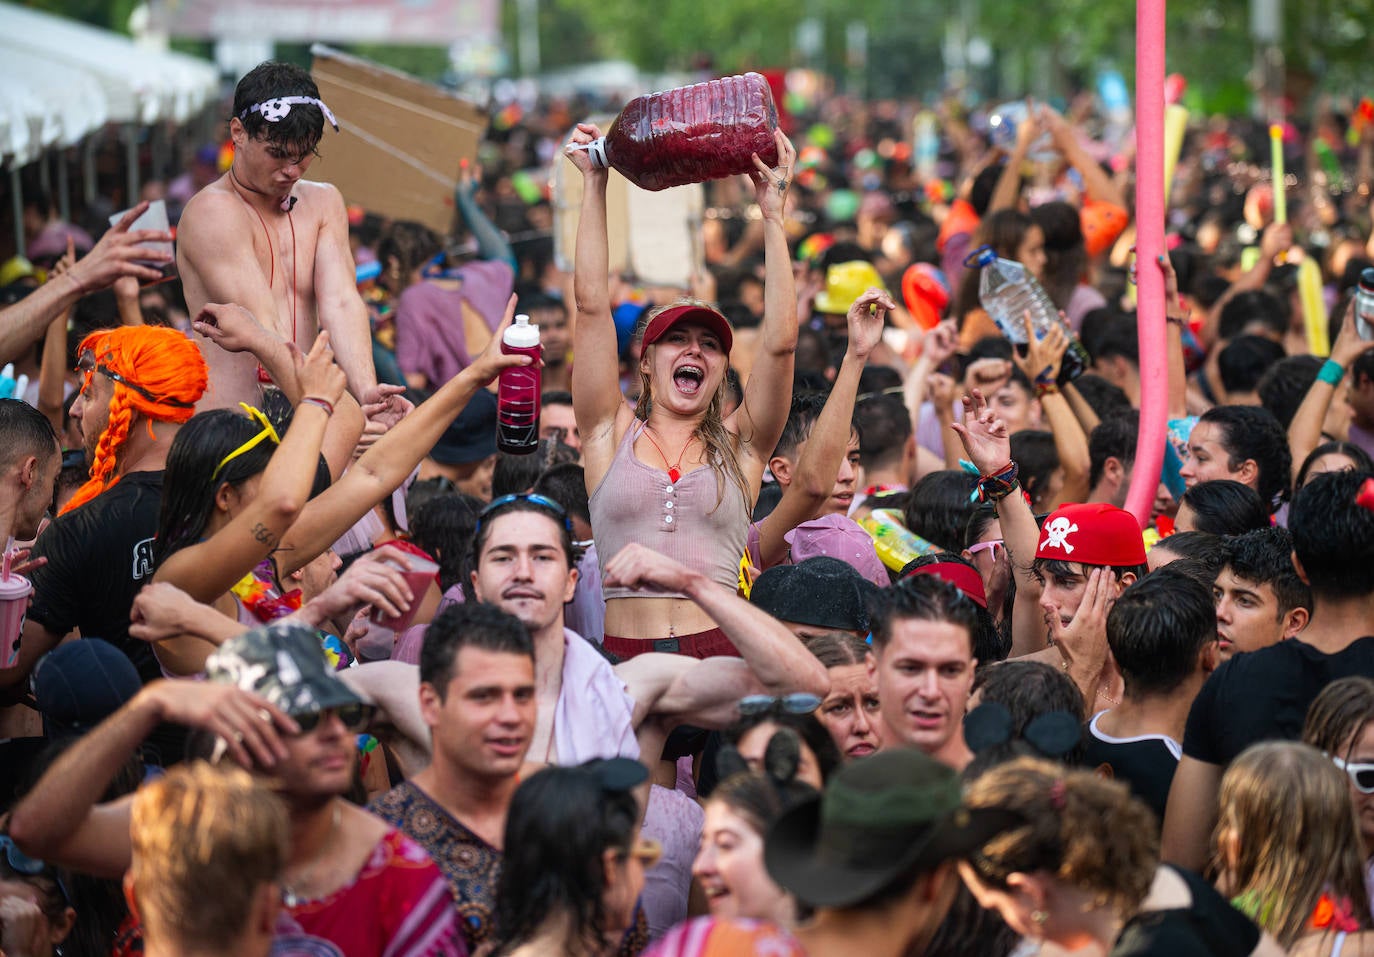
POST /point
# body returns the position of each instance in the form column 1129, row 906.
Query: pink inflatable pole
column 1149, row 245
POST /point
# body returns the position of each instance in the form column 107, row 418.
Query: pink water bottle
column 517, row 394
column 691, row 134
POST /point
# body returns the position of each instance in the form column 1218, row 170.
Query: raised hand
column 377, row 580
column 161, row 611
column 383, row 406
column 581, row 136
column 986, row 440
column 940, row 343
column 489, row 363
column 771, row 185
column 116, row 254
column 1348, row 345
column 866, row 318
column 250, row 725
column 319, row 375
column 231, row 327
column 1043, row 356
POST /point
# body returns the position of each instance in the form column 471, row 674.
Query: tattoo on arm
column 263, row 534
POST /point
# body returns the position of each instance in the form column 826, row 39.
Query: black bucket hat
column 822, row 592
column 284, row 663
column 880, row 817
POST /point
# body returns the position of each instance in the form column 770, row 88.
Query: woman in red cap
column 673, row 472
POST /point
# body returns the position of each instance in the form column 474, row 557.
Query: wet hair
column 484, row 524
column 1204, row 550
column 1339, row 715
column 1027, row 690
column 24, row 431
column 990, row 644
column 302, row 127
column 938, row 508
column 204, row 839
column 1285, row 384
column 923, row 598
column 1080, row 828
column 1114, row 437
column 1034, row 453
column 444, row 527
column 1251, row 433
column 1359, row 456
column 1117, row 337
column 886, row 426
column 555, row 397
column 1333, row 538
column 566, row 484
column 979, row 521
column 468, row 625
column 1059, row 568
column 801, row 419
column 561, row 822
column 837, row 649
column 719, row 444
column 807, row 727
column 1244, row 360
column 518, row 473
column 189, row 484
column 1265, row 557
column 1290, row 808
column 1226, row 507
column 1156, row 629
column 1252, row 306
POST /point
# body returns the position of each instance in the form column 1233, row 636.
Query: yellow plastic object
column 1313, row 308
column 896, row 545
column 1175, row 125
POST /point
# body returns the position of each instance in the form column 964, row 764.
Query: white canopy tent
column 41, row 107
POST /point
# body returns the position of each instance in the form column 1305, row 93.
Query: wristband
column 1043, row 389
column 998, row 485
column 322, row 403
column 1331, row 372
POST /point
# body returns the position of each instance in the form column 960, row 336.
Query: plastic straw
column 9, row 557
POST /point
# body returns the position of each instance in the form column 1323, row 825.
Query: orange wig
column 156, row 360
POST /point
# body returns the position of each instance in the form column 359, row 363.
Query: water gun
column 896, row 545
column 1313, row 307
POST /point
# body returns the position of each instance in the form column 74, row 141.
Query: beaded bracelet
column 998, row 485
column 322, row 403
column 1331, row 372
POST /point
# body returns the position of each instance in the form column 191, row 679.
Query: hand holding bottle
column 771, row 185
column 582, row 137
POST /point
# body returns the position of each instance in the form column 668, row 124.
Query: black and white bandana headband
column 276, row 110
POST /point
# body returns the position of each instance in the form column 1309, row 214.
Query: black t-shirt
column 1264, row 695
column 99, row 556
column 1209, row 927
column 1146, row 763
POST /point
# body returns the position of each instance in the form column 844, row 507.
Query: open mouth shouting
column 688, row 378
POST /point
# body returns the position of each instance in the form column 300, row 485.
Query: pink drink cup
column 420, row 575
column 14, row 607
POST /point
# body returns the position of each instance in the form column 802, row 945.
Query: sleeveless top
column 637, row 503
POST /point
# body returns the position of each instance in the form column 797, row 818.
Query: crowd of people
column 814, row 625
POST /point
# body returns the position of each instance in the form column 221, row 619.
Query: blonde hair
column 159, row 360
column 1083, row 829
column 721, row 445
column 1285, row 809
column 205, row 840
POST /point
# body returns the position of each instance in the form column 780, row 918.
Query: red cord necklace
column 272, row 254
column 674, row 472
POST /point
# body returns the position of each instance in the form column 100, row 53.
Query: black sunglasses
column 86, row 363
column 531, row 497
column 798, row 703
column 354, row 717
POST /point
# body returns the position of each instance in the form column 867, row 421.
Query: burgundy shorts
column 703, row 644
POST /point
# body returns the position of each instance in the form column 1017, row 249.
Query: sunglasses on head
column 26, row 866
column 354, row 717
column 86, row 363
column 1361, row 775
column 798, row 703
column 992, row 546
column 531, row 497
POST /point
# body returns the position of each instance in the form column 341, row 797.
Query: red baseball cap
column 689, row 312
column 1096, row 534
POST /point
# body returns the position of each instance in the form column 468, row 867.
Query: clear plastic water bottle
column 1009, row 293
column 1364, row 305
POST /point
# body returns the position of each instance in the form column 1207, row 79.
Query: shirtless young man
column 262, row 237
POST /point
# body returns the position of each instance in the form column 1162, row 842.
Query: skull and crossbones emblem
column 1056, row 533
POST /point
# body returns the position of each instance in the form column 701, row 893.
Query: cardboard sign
column 654, row 236
column 400, row 143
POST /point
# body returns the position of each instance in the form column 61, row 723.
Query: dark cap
column 880, row 818
column 284, row 663
column 823, row 592
column 80, row 683
column 472, row 436
column 687, row 312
